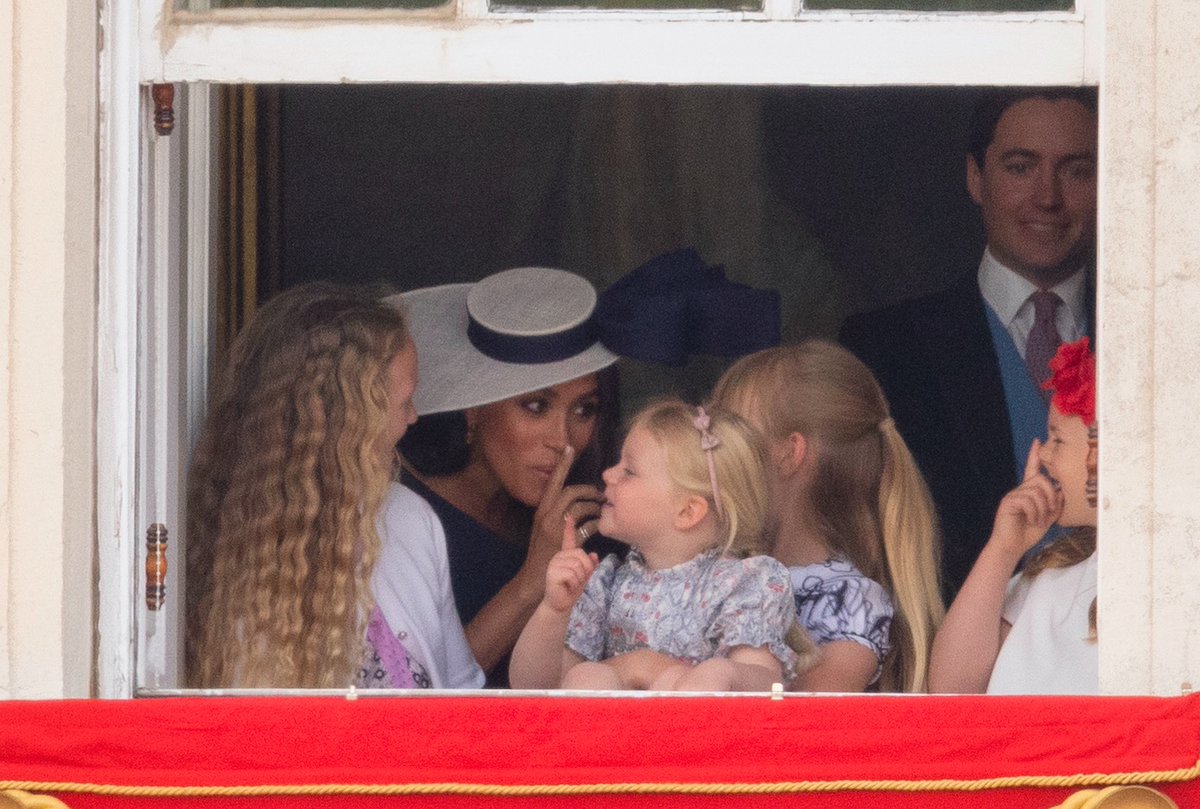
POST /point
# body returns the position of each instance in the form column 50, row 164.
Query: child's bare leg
column 592, row 677
column 668, row 679
column 641, row 668
column 714, row 674
column 746, row 669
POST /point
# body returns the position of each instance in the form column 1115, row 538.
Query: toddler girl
column 851, row 516
column 690, row 608
column 1035, row 633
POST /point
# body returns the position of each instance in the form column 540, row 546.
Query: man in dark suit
column 953, row 364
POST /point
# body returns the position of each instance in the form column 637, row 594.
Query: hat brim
column 454, row 375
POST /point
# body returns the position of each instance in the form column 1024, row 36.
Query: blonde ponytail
column 908, row 527
column 867, row 496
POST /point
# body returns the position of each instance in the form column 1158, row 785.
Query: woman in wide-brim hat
column 498, row 438
column 514, row 391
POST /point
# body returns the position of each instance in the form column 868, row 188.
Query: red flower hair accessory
column 1073, row 380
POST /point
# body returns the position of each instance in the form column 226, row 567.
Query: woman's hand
column 1027, row 512
column 578, row 504
column 495, row 628
column 568, row 572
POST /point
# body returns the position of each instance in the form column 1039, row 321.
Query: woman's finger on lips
column 1035, row 508
column 1045, row 484
column 558, row 477
column 1040, row 491
column 1023, row 505
column 1045, row 493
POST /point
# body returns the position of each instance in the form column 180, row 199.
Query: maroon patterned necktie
column 1043, row 339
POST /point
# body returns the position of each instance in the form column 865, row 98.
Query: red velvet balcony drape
column 515, row 752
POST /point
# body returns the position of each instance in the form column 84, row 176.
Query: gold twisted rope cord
column 544, row 790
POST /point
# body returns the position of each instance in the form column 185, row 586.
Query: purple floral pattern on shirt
column 386, row 661
column 694, row 611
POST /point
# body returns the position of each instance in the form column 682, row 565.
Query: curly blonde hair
column 284, row 489
column 872, row 504
column 739, row 461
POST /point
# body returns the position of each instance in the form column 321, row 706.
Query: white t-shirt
column 1048, row 651
column 411, row 585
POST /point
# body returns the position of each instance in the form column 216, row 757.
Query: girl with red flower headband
column 1035, row 633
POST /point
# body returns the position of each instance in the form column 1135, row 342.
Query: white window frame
column 145, row 42
column 777, row 46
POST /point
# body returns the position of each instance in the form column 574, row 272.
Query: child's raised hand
column 568, row 571
column 580, row 503
column 1028, row 511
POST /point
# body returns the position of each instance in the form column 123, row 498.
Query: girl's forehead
column 1060, row 421
column 641, row 441
column 637, row 437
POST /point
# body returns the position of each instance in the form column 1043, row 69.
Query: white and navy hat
column 529, row 328
column 514, row 332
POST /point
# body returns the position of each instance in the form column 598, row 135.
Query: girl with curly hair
column 1035, row 632
column 292, row 512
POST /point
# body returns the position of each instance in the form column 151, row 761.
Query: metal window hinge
column 164, row 107
column 156, row 566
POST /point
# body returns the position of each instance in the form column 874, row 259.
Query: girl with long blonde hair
column 290, row 478
column 851, row 515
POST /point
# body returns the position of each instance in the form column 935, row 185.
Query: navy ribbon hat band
column 533, row 349
column 666, row 310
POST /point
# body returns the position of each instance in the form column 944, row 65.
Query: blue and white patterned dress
column 700, row 609
column 835, row 601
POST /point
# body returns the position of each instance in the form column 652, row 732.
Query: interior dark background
column 419, row 185
column 844, row 199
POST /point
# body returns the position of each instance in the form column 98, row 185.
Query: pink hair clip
column 709, row 442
